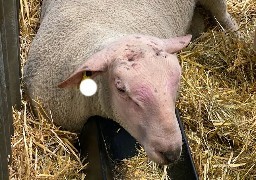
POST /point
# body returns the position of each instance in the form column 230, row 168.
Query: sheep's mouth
column 157, row 157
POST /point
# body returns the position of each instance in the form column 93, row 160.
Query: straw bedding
column 217, row 103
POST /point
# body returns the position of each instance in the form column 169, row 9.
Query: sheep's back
column 72, row 30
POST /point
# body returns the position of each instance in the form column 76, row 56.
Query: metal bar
column 93, row 147
column 185, row 168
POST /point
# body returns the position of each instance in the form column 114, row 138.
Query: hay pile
column 139, row 167
column 218, row 98
column 217, row 104
column 40, row 150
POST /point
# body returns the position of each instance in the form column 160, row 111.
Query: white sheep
column 129, row 48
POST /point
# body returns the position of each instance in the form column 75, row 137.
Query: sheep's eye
column 120, row 86
column 88, row 73
column 121, row 90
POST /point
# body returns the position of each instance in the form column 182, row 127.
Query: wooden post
column 5, row 118
column 9, row 79
column 10, row 47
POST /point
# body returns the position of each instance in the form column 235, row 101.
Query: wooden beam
column 9, row 79
column 9, row 29
column 5, row 118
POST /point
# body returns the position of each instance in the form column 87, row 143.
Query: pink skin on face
column 145, row 105
column 143, row 78
column 143, row 94
column 151, row 120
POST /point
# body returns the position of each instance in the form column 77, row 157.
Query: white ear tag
column 88, row 86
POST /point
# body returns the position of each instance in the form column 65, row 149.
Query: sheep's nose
column 172, row 156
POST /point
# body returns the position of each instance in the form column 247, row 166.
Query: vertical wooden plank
column 9, row 78
column 9, row 28
column 5, row 118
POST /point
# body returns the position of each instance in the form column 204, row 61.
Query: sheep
column 128, row 48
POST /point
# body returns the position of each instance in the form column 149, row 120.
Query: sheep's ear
column 96, row 64
column 175, row 44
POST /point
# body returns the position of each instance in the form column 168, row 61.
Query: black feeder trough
column 103, row 141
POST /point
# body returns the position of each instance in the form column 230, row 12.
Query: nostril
column 172, row 155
